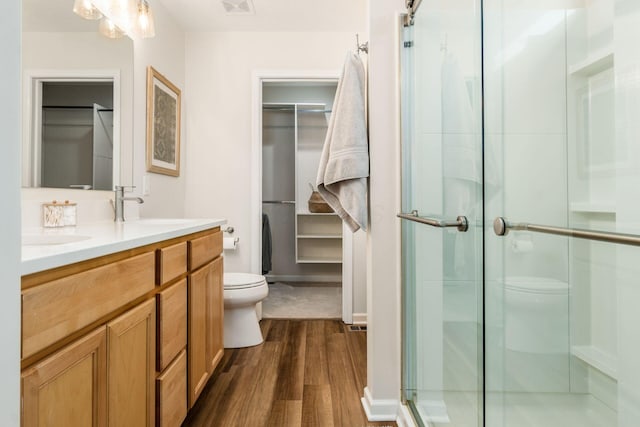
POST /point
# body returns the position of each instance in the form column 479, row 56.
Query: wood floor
column 306, row 373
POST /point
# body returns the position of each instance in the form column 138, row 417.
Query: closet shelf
column 601, row 360
column 595, row 63
column 319, row 260
column 307, row 213
column 319, row 236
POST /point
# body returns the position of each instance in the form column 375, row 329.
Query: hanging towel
column 344, row 164
column 266, row 244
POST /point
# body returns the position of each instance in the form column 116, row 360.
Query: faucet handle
column 123, row 187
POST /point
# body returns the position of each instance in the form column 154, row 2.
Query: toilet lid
column 536, row 285
column 242, row 280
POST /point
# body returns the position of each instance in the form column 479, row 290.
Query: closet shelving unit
column 318, row 237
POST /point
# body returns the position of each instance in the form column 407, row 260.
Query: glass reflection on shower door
column 442, row 178
column 562, row 143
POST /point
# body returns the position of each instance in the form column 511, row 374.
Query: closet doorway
column 305, row 256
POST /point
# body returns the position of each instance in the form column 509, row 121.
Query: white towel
column 344, row 164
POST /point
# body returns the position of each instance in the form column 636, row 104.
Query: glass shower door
column 442, row 220
column 562, row 152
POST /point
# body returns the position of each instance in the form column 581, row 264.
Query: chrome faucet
column 118, row 206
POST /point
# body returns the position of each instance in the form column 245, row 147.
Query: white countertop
column 102, row 238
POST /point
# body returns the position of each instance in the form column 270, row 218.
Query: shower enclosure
column 521, row 212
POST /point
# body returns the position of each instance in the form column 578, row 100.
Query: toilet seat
column 242, row 280
column 537, row 285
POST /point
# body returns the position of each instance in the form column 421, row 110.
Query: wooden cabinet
column 89, row 332
column 172, row 323
column 131, row 366
column 171, row 385
column 171, row 262
column 205, row 320
column 172, row 393
column 215, row 315
column 69, row 388
column 57, row 308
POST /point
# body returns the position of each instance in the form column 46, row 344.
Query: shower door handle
column 502, row 227
column 460, row 223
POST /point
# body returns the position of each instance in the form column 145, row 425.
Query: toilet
column 536, row 315
column 536, row 336
column 242, row 291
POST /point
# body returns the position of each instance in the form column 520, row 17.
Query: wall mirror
column 77, row 100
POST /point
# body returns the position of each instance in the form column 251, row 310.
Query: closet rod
column 265, row 107
column 74, row 107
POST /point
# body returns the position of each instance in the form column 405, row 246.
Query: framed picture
column 163, row 124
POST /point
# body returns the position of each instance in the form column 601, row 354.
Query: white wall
column 165, row 53
column 383, row 283
column 10, row 213
column 219, row 84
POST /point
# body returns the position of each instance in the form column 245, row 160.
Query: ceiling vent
column 238, row 7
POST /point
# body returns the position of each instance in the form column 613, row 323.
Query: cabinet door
column 131, row 356
column 215, row 313
column 206, row 308
column 197, row 332
column 68, row 388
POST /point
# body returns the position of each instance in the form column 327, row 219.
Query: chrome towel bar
column 460, row 223
column 502, row 227
column 279, row 202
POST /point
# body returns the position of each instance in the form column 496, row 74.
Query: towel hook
column 364, row 47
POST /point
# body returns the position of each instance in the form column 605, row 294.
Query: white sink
column 51, row 239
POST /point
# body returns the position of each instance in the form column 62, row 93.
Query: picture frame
column 163, row 124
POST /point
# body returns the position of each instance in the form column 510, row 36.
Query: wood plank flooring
column 306, row 373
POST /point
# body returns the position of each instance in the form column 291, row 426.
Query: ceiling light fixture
column 86, row 9
column 238, row 7
column 109, row 29
column 131, row 17
column 146, row 23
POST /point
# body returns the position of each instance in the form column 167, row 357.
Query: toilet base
column 241, row 327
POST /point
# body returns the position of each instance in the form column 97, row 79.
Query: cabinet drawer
column 56, row 309
column 172, row 323
column 204, row 249
column 171, row 388
column 172, row 262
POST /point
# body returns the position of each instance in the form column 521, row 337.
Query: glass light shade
column 86, row 9
column 145, row 24
column 109, row 29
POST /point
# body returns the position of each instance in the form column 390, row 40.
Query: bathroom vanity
column 122, row 328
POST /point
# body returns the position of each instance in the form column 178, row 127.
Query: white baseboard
column 359, row 319
column 303, row 278
column 379, row 409
column 405, row 419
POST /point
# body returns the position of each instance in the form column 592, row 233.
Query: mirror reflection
column 78, row 96
column 76, row 143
